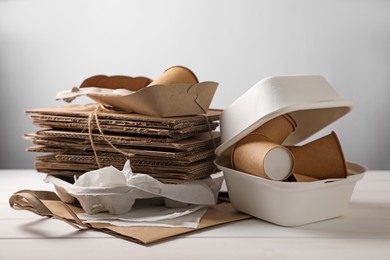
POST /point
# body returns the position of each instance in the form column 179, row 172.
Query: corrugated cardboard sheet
column 171, row 149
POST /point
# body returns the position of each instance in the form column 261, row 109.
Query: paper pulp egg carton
column 120, row 199
column 313, row 104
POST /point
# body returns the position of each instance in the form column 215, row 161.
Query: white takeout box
column 312, row 102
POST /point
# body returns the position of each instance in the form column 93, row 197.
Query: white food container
column 312, row 102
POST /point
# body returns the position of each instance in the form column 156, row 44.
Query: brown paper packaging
column 176, row 92
column 46, row 203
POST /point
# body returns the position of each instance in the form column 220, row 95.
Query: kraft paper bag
column 46, row 203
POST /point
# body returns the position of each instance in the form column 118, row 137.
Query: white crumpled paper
column 150, row 213
column 113, row 191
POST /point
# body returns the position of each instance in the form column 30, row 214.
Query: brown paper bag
column 46, row 203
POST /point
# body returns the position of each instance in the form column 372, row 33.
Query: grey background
column 51, row 45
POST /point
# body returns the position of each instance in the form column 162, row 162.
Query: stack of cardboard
column 163, row 126
column 172, row 149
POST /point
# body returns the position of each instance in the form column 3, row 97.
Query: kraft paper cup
column 257, row 155
column 176, row 75
column 278, row 129
column 321, row 159
column 303, row 178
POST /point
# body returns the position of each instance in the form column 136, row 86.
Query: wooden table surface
column 362, row 233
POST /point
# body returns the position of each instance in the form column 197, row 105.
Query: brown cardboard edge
column 84, row 111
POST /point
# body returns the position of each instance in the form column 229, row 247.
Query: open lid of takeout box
column 309, row 99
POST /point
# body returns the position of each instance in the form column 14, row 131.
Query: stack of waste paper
column 170, row 145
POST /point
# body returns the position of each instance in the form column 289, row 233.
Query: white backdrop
column 51, row 45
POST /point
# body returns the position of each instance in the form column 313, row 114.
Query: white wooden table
column 362, row 233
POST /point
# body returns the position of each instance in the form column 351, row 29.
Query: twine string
column 90, row 118
column 210, row 131
column 94, row 116
column 212, row 138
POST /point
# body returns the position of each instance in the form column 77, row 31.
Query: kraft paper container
column 290, row 203
column 312, row 104
column 116, row 82
column 176, row 92
column 257, row 155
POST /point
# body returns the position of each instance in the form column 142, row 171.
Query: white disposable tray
column 290, row 203
column 312, row 102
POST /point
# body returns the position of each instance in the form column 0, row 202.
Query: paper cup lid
column 309, row 99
